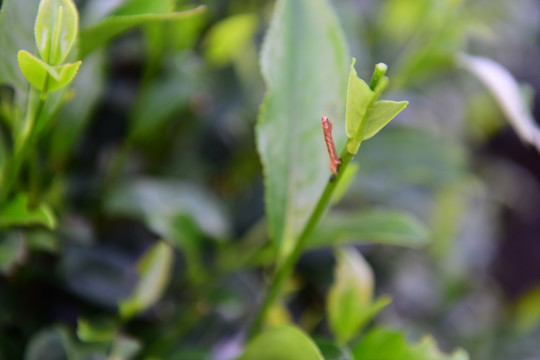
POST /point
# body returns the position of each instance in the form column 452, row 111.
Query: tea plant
column 168, row 297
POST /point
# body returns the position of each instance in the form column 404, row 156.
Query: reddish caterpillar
column 334, row 158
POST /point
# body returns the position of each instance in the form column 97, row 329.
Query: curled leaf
column 504, row 87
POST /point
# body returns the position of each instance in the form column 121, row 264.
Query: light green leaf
column 228, row 38
column 304, row 64
column 67, row 73
column 504, row 87
column 154, row 269
column 382, row 112
column 381, row 344
column 282, row 343
column 359, row 100
column 104, row 31
column 349, row 303
column 95, row 330
column 56, row 28
column 17, row 212
column 365, row 115
column 43, row 76
column 373, row 227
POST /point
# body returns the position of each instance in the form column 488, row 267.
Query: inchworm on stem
column 334, row 158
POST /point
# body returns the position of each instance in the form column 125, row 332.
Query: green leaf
column 359, row 100
column 304, row 64
column 17, row 212
column 56, row 28
column 154, row 269
column 282, row 343
column 379, row 226
column 382, row 344
column 504, row 87
column 349, row 303
column 104, row 31
column 43, row 76
column 365, row 115
column 95, row 330
column 227, row 39
column 382, row 112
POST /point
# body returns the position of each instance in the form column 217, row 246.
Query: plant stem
column 286, row 269
column 22, row 142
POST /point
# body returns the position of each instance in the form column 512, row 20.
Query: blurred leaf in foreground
column 381, row 344
column 282, row 343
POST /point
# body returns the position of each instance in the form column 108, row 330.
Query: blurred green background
column 158, row 140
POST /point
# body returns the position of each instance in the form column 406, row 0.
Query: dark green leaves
column 304, row 64
column 43, row 76
column 282, row 343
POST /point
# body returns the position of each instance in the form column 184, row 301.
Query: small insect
column 334, row 158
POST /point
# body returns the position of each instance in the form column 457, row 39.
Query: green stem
column 286, row 269
column 22, row 143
